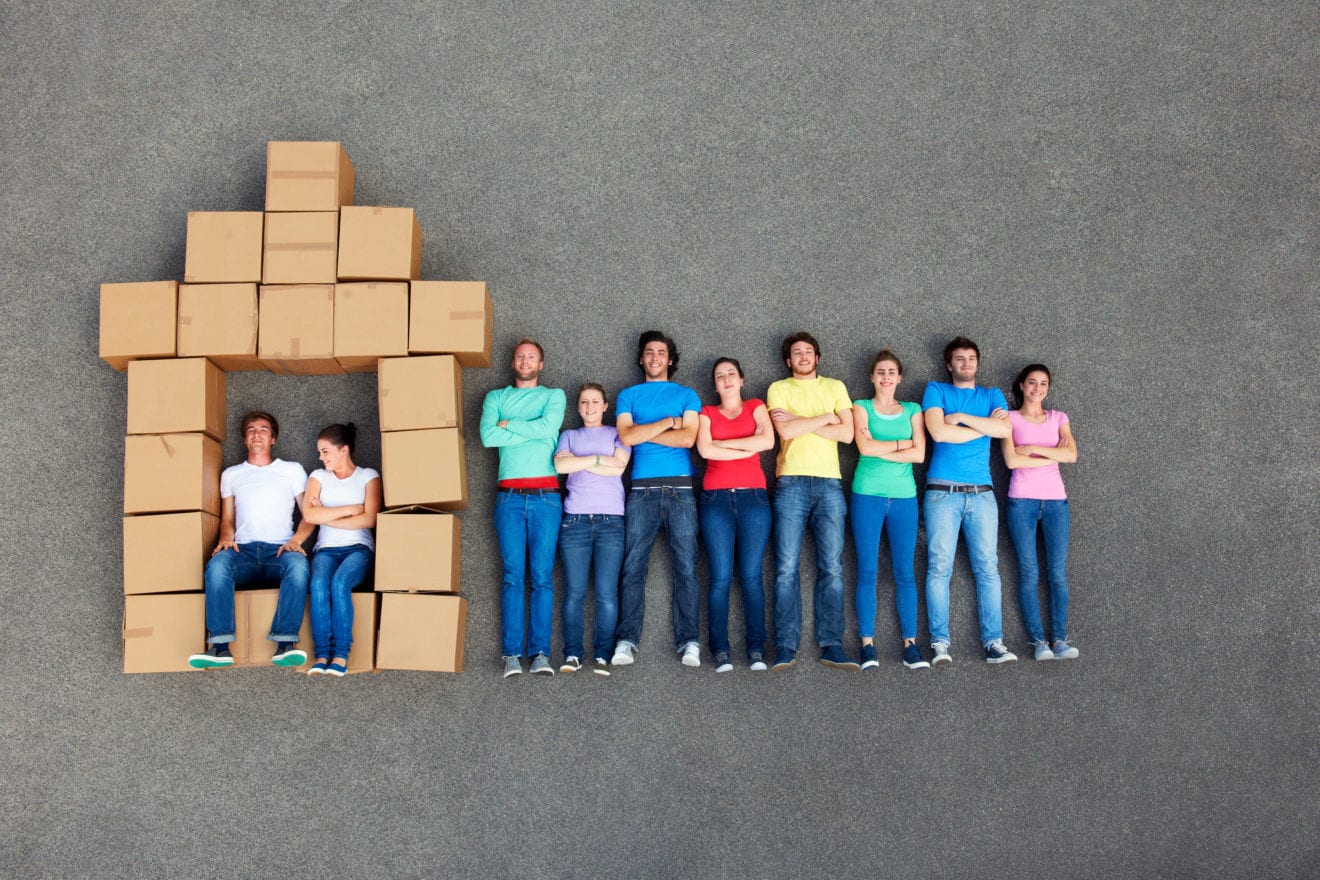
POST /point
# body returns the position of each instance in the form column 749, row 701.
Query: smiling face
column 527, row 363
column 1034, row 388
column 655, row 361
column 885, row 377
column 803, row 360
column 963, row 363
column 728, row 382
column 259, row 438
column 333, row 458
column 591, row 407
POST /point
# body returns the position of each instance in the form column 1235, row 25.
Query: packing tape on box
column 304, row 175
column 140, row 632
column 296, row 246
column 467, row 316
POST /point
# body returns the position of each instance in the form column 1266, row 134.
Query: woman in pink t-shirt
column 1041, row 440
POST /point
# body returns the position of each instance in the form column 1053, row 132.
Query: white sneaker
column 692, row 654
column 941, row 652
column 624, row 655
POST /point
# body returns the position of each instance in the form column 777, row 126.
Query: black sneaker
column 288, row 654
column 912, row 658
column 756, row 661
column 215, row 657
column 722, row 663
column 784, row 659
column 869, row 659
column 833, row 656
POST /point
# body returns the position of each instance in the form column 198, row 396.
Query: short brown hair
column 258, row 415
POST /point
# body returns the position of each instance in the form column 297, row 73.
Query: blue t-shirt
column 962, row 462
column 652, row 402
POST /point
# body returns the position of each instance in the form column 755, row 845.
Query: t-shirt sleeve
column 841, row 399
column 226, row 484
column 776, row 397
column 911, row 409
column 932, row 397
column 624, row 403
column 562, row 445
column 1063, row 417
column 297, row 478
column 691, row 402
column 997, row 400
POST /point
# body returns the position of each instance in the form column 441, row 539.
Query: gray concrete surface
column 1124, row 191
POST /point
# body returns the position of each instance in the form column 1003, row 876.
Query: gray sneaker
column 1065, row 651
column 941, row 652
column 624, row 655
column 1043, row 651
column 512, row 666
column 541, row 666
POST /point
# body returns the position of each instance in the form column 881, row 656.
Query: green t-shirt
column 875, row 476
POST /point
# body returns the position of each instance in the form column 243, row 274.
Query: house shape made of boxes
column 313, row 285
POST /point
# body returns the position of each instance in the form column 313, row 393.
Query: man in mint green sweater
column 523, row 421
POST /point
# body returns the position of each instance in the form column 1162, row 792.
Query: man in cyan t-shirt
column 812, row 416
column 961, row 417
column 258, row 543
column 658, row 419
column 522, row 420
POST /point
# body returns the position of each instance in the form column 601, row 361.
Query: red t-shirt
column 745, row 473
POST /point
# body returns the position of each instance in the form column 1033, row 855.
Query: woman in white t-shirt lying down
column 1042, row 439
column 343, row 499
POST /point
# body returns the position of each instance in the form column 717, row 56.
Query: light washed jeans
column 977, row 516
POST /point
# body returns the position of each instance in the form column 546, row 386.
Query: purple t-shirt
column 1042, row 483
column 588, row 492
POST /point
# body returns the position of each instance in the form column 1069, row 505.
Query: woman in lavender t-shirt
column 594, row 460
column 1041, row 440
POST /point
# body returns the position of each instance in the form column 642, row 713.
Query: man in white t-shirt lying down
column 258, row 543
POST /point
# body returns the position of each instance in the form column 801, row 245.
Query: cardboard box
column 223, row 246
column 298, row 329
column 380, row 244
column 451, row 317
column 167, row 473
column 176, row 396
column 424, row 467
column 300, row 248
column 371, row 322
column 421, row 631
column 418, row 550
column 307, row 176
column 219, row 322
column 166, row 553
column 160, row 632
column 138, row 321
column 254, row 611
column 419, row 392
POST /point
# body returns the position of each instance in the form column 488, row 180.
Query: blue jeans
column 816, row 502
column 735, row 526
column 1023, row 514
column 335, row 572
column 977, row 514
column 582, row 536
column 252, row 563
column 898, row 517
column 527, row 527
column 649, row 510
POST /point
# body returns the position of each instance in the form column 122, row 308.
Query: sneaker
column 1043, row 651
column 912, row 658
column 541, row 666
column 570, row 664
column 512, row 666
column 834, row 656
column 215, row 657
column 319, row 667
column 869, row 660
column 1065, row 651
column 995, row 652
column 624, row 655
column 338, row 670
column 601, row 666
column 288, row 654
column 722, row 663
column 757, row 661
column 691, row 655
column 940, row 650
column 784, row 659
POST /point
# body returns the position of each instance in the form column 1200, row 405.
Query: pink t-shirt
column 1042, row 483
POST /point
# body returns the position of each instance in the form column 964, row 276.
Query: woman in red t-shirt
column 735, row 509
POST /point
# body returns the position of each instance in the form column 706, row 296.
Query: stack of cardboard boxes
column 313, row 285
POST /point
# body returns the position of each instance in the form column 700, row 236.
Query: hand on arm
column 300, row 534
column 790, row 426
column 545, row 426
column 840, row 430
column 682, row 435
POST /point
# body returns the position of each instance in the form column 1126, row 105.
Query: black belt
column 513, row 491
column 960, row 488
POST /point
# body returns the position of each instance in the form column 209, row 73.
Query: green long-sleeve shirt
column 527, row 443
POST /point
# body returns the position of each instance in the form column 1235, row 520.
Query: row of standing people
column 605, row 535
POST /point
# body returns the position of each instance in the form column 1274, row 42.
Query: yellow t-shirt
column 810, row 455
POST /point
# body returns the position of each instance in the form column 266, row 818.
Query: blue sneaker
column 834, row 657
column 912, row 658
column 784, row 659
column 995, row 653
column 869, row 659
column 1065, row 651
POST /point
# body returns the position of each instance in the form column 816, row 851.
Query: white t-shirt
column 341, row 493
column 264, row 498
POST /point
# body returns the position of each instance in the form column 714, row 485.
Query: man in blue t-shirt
column 961, row 417
column 658, row 420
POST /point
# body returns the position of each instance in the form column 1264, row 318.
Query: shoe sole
column 847, row 666
column 759, row 666
column 293, row 658
column 205, row 661
column 337, row 673
column 690, row 662
column 600, row 671
column 726, row 667
column 510, row 673
column 921, row 664
column 997, row 661
column 546, row 671
column 780, row 666
column 318, row 669
column 622, row 660
column 569, row 669
column 870, row 664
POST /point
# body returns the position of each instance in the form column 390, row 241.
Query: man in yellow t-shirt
column 812, row 416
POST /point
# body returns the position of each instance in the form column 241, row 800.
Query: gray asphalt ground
column 1125, row 191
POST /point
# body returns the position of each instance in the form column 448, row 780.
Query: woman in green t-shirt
column 890, row 436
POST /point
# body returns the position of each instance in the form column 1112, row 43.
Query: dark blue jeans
column 735, row 527
column 583, row 536
column 335, row 572
column 898, row 518
column 1023, row 514
column 252, row 563
column 527, row 527
column 649, row 510
column 815, row 502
